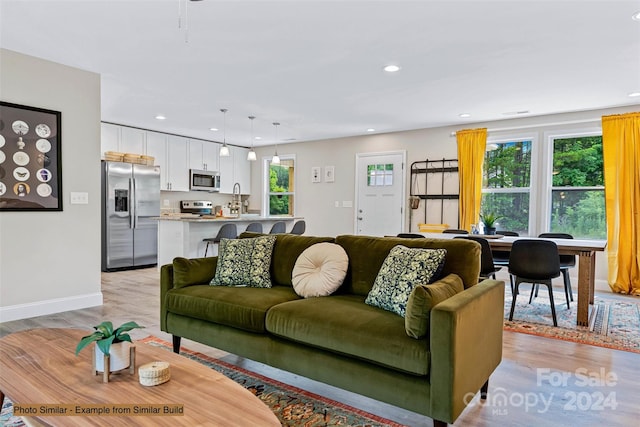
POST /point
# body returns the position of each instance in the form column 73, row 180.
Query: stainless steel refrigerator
column 130, row 199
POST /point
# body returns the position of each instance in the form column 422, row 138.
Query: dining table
column 585, row 249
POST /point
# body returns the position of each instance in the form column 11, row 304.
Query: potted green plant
column 110, row 342
column 489, row 222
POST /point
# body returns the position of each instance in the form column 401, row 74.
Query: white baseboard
column 57, row 305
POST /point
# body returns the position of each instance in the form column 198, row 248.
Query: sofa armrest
column 166, row 284
column 466, row 346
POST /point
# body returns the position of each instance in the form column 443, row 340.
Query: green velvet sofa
column 340, row 340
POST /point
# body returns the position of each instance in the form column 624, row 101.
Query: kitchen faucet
column 236, row 199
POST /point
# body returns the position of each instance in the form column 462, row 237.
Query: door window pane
column 380, row 175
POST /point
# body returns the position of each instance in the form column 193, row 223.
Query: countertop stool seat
column 227, row 231
column 254, row 227
column 278, row 227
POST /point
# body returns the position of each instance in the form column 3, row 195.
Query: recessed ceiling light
column 391, row 68
column 160, row 117
column 634, row 94
column 258, row 137
column 213, row 129
column 371, row 130
column 636, row 16
column 464, row 115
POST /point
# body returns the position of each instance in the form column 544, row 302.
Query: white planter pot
column 119, row 357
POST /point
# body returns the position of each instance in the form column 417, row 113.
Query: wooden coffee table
column 39, row 366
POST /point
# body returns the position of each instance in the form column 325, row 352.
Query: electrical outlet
column 166, row 203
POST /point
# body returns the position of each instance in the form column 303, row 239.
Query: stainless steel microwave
column 200, row 180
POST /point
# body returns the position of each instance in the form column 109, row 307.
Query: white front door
column 380, row 190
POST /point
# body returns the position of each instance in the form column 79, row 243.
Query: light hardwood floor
column 539, row 382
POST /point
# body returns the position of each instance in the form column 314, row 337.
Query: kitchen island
column 181, row 235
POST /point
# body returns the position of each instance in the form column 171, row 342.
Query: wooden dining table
column 584, row 249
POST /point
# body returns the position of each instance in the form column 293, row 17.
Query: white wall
column 50, row 261
column 316, row 202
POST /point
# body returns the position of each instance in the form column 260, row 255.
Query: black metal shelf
column 427, row 167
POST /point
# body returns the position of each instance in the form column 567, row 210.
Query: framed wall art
column 30, row 158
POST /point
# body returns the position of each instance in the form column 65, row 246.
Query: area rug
column 614, row 322
column 293, row 406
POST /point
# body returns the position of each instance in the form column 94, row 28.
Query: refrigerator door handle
column 132, row 203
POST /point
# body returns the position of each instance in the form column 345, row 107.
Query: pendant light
column 251, row 155
column 275, row 160
column 224, row 150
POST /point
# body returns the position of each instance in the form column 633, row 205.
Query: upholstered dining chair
column 298, row 227
column 487, row 268
column 278, row 227
column 254, row 227
column 566, row 262
column 536, row 262
column 227, row 231
column 455, row 231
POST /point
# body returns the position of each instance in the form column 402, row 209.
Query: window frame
column 266, row 168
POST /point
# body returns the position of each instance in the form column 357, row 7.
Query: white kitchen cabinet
column 132, row 140
column 235, row 168
column 109, row 138
column 203, row 155
column 171, row 154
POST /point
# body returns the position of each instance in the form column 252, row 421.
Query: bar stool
column 298, row 227
column 278, row 227
column 227, row 231
column 254, row 227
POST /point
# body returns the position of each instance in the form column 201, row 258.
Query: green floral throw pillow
column 244, row 262
column 403, row 270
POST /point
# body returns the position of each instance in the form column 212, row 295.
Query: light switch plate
column 347, row 204
column 79, row 198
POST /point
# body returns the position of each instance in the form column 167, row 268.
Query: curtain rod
column 568, row 122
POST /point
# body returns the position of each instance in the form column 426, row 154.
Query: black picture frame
column 30, row 158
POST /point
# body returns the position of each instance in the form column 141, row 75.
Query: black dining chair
column 299, row 227
column 254, row 227
column 487, row 268
column 278, row 227
column 454, row 231
column 536, row 262
column 227, row 231
column 410, row 236
column 566, row 262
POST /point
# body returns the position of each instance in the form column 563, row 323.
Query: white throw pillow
column 319, row 270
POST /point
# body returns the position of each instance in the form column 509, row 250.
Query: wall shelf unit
column 433, row 175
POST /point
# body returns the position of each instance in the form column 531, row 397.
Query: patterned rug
column 293, row 406
column 614, row 322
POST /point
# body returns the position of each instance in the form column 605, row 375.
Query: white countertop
column 241, row 218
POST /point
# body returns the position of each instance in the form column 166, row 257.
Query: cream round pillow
column 320, row 270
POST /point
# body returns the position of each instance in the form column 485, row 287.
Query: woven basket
column 134, row 158
column 148, row 160
column 113, row 156
column 154, row 373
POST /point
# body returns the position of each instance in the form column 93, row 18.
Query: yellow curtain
column 621, row 153
column 472, row 145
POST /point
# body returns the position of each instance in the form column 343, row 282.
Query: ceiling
column 317, row 66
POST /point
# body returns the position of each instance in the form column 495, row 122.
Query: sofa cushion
column 366, row 255
column 242, row 308
column 195, row 271
column 423, row 298
column 286, row 251
column 403, row 270
column 319, row 270
column 344, row 324
column 244, row 262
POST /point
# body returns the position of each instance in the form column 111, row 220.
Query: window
column 280, row 186
column 555, row 186
column 577, row 193
column 506, row 183
column 380, row 175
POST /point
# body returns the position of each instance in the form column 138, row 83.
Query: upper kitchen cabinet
column 235, row 168
column 171, row 154
column 109, row 138
column 122, row 139
column 132, row 140
column 203, row 155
